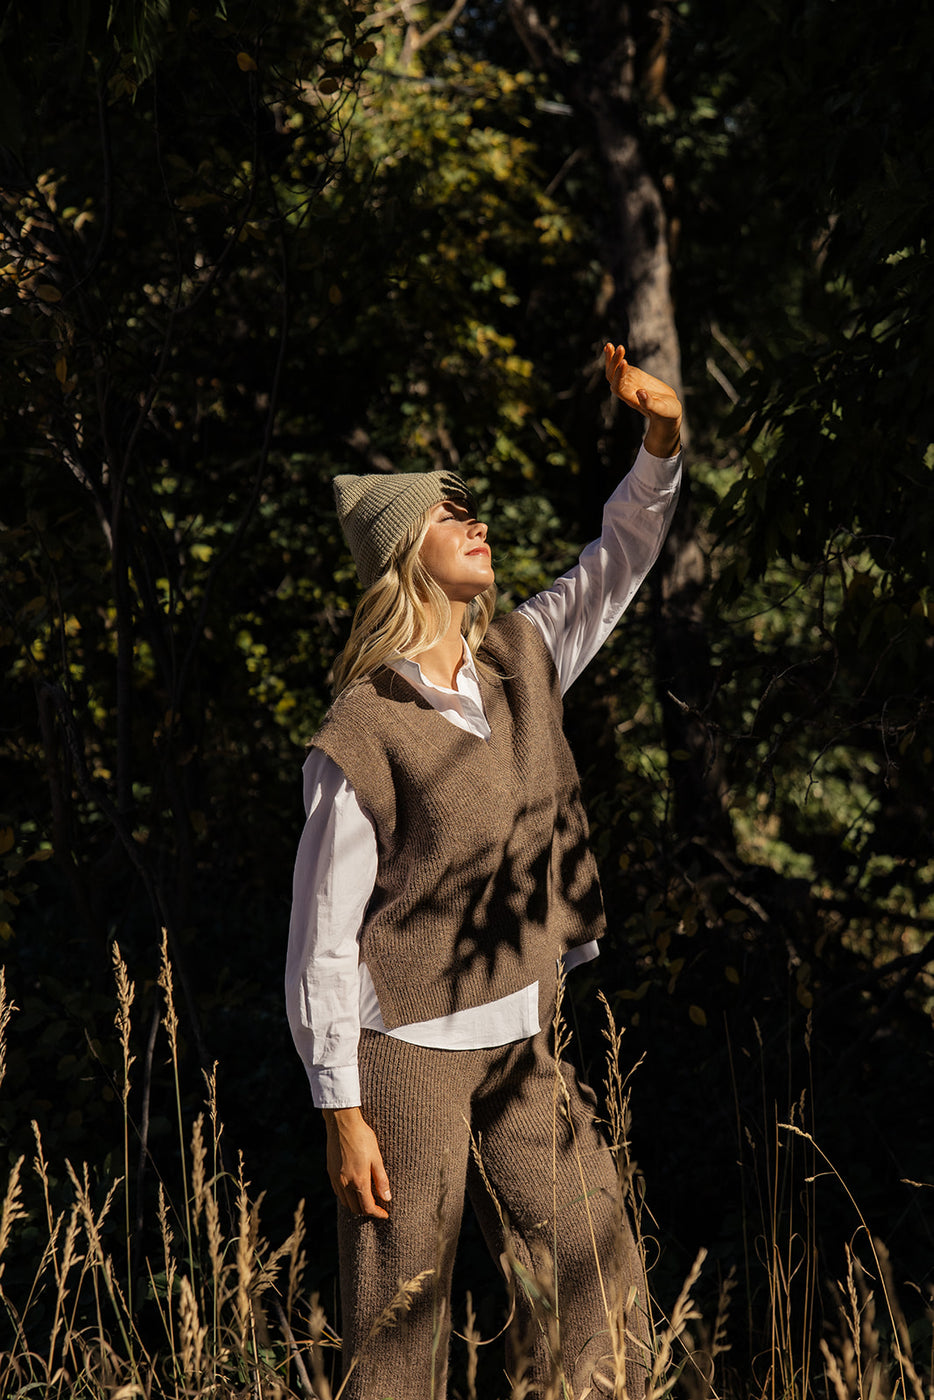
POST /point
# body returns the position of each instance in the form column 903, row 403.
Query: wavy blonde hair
column 404, row 613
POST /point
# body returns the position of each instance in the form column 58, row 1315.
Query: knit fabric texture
column 422, row 1105
column 375, row 511
column 484, row 873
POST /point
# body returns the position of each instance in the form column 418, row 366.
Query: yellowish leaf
column 335, row 295
column 698, row 1015
column 61, row 368
column 46, row 292
column 245, row 63
column 7, row 838
column 732, row 975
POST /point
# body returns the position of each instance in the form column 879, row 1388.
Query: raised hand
column 651, row 397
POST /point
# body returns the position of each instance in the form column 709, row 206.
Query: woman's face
column 455, row 552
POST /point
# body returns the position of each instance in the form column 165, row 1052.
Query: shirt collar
column 412, row 671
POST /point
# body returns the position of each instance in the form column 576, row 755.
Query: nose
column 478, row 527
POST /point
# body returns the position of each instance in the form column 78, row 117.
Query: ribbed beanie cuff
column 376, row 511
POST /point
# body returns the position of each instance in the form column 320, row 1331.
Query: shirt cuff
column 582, row 953
column 660, row 472
column 334, row 1088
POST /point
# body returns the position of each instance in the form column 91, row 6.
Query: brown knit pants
column 419, row 1103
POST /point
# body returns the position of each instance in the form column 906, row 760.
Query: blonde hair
column 404, row 613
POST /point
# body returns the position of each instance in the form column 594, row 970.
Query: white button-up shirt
column 329, row 990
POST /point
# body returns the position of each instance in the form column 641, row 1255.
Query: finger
column 381, row 1182
column 368, row 1206
column 659, row 405
column 348, row 1198
column 358, row 1198
column 615, row 360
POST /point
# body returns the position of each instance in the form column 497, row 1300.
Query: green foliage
column 248, row 246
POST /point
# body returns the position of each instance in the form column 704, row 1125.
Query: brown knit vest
column 484, row 872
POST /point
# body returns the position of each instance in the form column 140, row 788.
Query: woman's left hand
column 649, row 396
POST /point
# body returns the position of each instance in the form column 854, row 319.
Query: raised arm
column 578, row 612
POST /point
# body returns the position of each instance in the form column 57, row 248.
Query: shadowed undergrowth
column 182, row 1297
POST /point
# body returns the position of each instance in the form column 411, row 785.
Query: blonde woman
column 442, row 877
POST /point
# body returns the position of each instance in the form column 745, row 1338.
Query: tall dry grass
column 218, row 1312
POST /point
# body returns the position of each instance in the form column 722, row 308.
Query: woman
column 442, row 874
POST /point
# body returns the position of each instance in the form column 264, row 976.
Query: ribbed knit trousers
column 557, row 1225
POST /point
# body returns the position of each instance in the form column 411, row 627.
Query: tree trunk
column 602, row 84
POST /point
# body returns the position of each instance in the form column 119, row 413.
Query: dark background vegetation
column 249, row 246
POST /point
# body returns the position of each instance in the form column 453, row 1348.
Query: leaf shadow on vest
column 542, row 897
column 486, row 876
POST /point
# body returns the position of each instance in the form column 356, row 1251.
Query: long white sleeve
column 335, row 871
column 581, row 608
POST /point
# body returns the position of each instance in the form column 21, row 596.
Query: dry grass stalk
column 888, row 1293
column 903, row 1344
column 858, row 1369
column 296, row 1258
column 664, row 1374
column 439, row 1304
column 398, row 1305
column 620, row 1309
column 697, row 1377
column 472, row 1338
column 12, row 1209
column 562, row 1037
column 62, row 1271
column 170, row 1021
column 545, row 1302
column 198, row 1158
column 6, row 1011
column 193, row 1335
column 165, row 1231
column 245, row 1244
column 520, row 1341
column 215, row 1239
column 317, row 1329
column 126, row 992
column 169, row 1018
column 617, row 1098
column 40, row 1167
column 216, row 1127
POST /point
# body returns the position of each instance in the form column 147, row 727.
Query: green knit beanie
column 375, row 511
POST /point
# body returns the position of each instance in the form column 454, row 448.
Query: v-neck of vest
column 383, row 681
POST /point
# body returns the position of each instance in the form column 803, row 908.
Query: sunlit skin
column 457, row 557
column 455, row 553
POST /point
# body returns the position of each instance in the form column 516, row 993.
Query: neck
column 441, row 663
